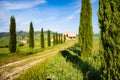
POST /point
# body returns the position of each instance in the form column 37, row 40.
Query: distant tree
column 54, row 39
column 109, row 23
column 42, row 38
column 49, row 42
column 12, row 35
column 64, row 38
column 31, row 36
column 61, row 41
column 59, row 38
column 85, row 28
column 56, row 34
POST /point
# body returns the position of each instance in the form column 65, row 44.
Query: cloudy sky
column 56, row 15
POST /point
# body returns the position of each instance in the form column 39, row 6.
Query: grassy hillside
column 22, row 51
column 66, row 65
column 55, row 68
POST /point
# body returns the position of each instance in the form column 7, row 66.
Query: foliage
column 61, row 40
column 109, row 22
column 49, row 39
column 64, row 38
column 85, row 28
column 89, row 66
column 12, row 35
column 42, row 38
column 54, row 39
column 55, row 68
column 31, row 36
column 67, row 65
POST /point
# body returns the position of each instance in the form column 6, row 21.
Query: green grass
column 22, row 52
column 4, row 41
column 55, row 68
column 66, row 65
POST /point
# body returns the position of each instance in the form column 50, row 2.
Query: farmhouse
column 24, row 41
column 70, row 35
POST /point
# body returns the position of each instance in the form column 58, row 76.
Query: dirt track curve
column 12, row 70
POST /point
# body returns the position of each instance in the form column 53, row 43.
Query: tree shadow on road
column 72, row 55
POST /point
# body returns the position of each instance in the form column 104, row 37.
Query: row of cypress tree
column 58, row 38
column 13, row 41
column 109, row 23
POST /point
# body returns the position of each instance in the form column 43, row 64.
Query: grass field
column 15, row 67
column 22, row 51
column 66, row 65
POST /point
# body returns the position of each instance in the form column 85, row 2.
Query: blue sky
column 56, row 15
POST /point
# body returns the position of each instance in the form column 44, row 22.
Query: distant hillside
column 4, row 34
column 20, row 33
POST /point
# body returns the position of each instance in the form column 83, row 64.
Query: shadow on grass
column 89, row 72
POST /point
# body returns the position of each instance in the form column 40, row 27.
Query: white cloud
column 5, row 13
column 72, row 16
column 21, row 5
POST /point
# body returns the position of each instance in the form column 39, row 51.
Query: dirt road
column 11, row 70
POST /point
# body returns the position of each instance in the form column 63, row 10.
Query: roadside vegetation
column 68, row 64
column 23, row 50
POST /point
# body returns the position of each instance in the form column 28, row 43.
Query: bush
column 21, row 44
column 6, row 46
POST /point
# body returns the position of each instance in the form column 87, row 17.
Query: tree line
column 57, row 38
column 109, row 23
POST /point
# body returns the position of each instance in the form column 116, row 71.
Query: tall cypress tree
column 12, row 35
column 54, row 39
column 61, row 39
column 49, row 42
column 109, row 23
column 64, row 38
column 42, row 38
column 85, row 28
column 31, row 36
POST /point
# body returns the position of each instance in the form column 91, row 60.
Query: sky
column 55, row 15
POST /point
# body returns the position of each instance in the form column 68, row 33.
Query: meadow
column 68, row 64
column 23, row 51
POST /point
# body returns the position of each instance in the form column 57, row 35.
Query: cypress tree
column 54, row 40
column 56, row 37
column 12, row 35
column 109, row 23
column 61, row 41
column 64, row 38
column 49, row 42
column 31, row 36
column 59, row 38
column 85, row 28
column 42, row 38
